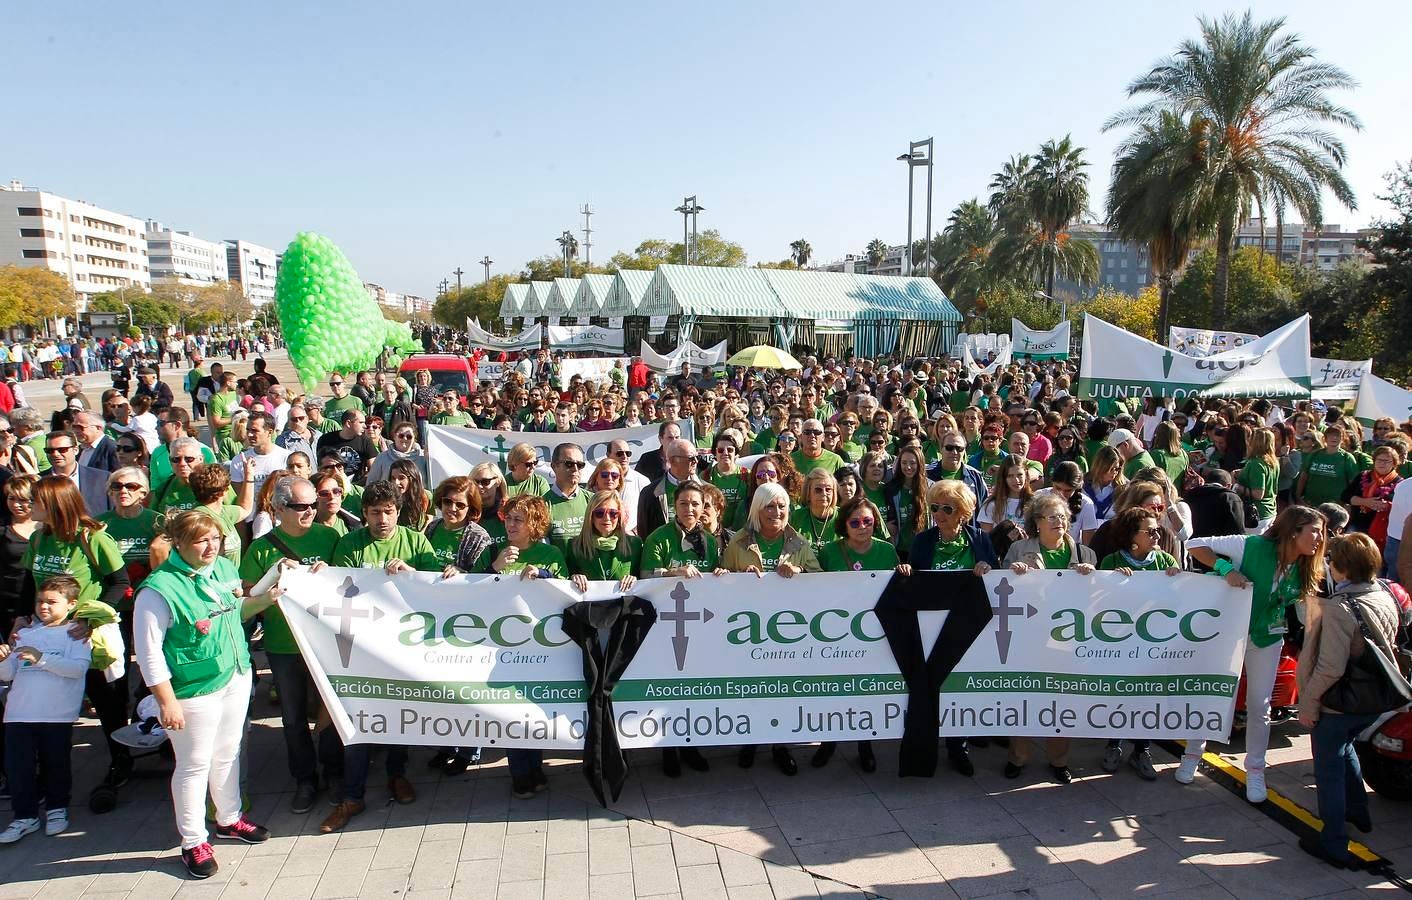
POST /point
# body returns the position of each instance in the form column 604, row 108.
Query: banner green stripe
column 1297, row 388
column 783, row 687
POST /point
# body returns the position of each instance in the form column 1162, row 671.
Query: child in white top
column 47, row 667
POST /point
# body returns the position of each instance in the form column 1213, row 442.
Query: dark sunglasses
column 129, row 448
column 124, row 486
column 485, row 482
column 573, row 463
column 861, row 523
column 955, row 448
column 605, row 513
column 300, row 507
column 943, row 508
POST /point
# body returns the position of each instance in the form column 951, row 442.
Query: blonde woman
column 1259, row 479
column 521, row 477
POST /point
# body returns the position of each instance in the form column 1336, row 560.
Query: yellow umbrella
column 763, row 356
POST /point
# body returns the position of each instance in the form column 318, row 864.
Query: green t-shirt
column 47, row 555
column 827, row 460
column 906, row 516
column 445, row 542
column 1058, row 558
column 1159, row 561
column 852, row 451
column 174, row 496
column 358, row 550
column 35, row 442
column 664, row 549
column 986, row 464
column 133, row 536
column 1142, row 461
column 1261, row 476
column 335, row 407
column 542, row 556
column 608, row 564
column 1328, row 475
column 229, row 517
column 770, row 551
column 764, row 441
column 317, row 545
column 734, row 486
column 952, row 556
column 535, row 485
column 160, row 466
column 1174, row 464
column 836, row 556
column 222, row 402
column 456, row 418
column 818, row 532
column 566, row 516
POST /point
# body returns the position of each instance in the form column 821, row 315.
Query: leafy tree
column 1262, row 100
column 782, row 264
column 1036, row 200
column 996, row 305
column 1341, row 306
column 477, row 301
column 1389, row 284
column 1135, row 314
column 709, row 249
column 150, row 310
column 877, row 252
column 965, row 266
column 1260, row 298
column 649, row 254
column 28, row 296
column 800, row 252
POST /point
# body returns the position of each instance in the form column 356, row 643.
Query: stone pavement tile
column 616, row 886
column 530, row 815
column 1123, row 867
column 790, row 883
column 1209, row 830
column 567, row 835
column 833, row 891
column 523, row 857
column 767, row 844
column 483, row 840
column 702, row 883
column 309, row 857
column 751, row 892
column 598, row 817
column 609, row 851
column 725, row 775
column 474, row 877
column 520, row 890
column 385, row 884
column 1034, row 790
column 299, row 887
column 1281, row 871
column 435, row 866
column 709, row 814
column 738, row 869
column 931, row 888
column 166, row 880
column 229, row 857
column 958, row 823
column 398, row 848
column 1009, row 864
column 645, row 834
column 810, row 784
column 1137, row 797
column 254, row 880
column 438, row 894
column 691, row 852
column 349, row 838
column 877, row 859
column 566, row 876
column 112, row 895
column 65, row 887
column 343, row 877
column 1065, row 828
column 654, row 870
column 200, row 890
column 814, row 821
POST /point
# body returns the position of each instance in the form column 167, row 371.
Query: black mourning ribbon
column 629, row 619
column 963, row 595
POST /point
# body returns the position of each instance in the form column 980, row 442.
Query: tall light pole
column 444, row 286
column 458, row 273
column 919, row 153
column 486, row 261
column 587, row 213
column 1063, row 304
column 689, row 209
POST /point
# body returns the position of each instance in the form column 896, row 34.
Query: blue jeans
column 292, row 680
column 47, row 745
column 1390, row 549
column 355, row 768
column 524, row 762
column 1338, row 777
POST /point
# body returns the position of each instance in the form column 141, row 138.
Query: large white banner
column 526, row 340
column 586, row 338
column 1051, row 344
column 688, row 352
column 484, row 661
column 1377, row 398
column 454, row 450
column 1204, row 342
column 1117, row 364
column 1337, row 379
column 594, row 369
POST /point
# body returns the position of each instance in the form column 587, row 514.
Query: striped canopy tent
column 537, row 299
column 561, row 296
column 815, row 306
column 592, row 295
column 708, row 304
column 512, row 305
column 909, row 316
column 629, row 287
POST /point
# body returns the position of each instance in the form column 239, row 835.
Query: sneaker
column 56, row 821
column 1141, row 761
column 522, row 787
column 1186, row 772
column 242, row 829
column 1061, row 774
column 118, row 773
column 304, row 793
column 200, row 861
column 18, row 829
column 1112, row 758
column 1255, row 786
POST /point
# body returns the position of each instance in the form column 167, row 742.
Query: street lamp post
column 486, row 261
column 915, row 157
column 458, row 273
column 689, row 209
column 444, row 286
column 1063, row 304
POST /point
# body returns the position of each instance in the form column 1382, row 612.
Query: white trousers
column 1262, row 664
column 208, row 758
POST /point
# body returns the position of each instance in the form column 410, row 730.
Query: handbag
column 1371, row 684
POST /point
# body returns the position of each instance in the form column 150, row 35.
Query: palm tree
column 877, row 252
column 1265, row 97
column 800, row 251
column 1009, row 188
column 965, row 268
column 1149, row 194
column 1035, row 201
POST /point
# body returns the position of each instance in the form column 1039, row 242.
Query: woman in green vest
column 193, row 654
column 603, row 550
column 1282, row 566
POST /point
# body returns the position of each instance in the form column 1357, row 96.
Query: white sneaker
column 1186, row 772
column 1255, row 785
column 18, row 829
column 56, row 821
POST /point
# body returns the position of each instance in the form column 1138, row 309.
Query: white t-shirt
column 1013, row 512
column 50, row 690
column 265, row 463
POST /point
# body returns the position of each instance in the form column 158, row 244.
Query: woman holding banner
column 816, row 518
column 1282, row 566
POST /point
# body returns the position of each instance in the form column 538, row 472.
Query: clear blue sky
column 422, row 136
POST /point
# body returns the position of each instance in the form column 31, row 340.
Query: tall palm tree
column 877, row 252
column 1150, row 192
column 800, row 251
column 1009, row 187
column 1036, row 201
column 965, row 266
column 1058, row 196
column 1266, row 99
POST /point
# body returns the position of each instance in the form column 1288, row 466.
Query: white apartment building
column 1322, row 249
column 407, row 303
column 254, row 268
column 178, row 256
column 96, row 249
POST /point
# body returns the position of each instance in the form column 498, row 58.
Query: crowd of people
column 133, row 535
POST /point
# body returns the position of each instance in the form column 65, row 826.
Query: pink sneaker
column 200, row 861
column 242, row 829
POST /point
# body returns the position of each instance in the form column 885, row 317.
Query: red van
column 449, row 371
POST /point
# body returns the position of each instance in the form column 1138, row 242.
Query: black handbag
column 1371, row 684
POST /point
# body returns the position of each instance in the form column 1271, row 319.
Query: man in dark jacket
column 149, row 386
column 952, row 466
column 656, row 505
column 1215, row 509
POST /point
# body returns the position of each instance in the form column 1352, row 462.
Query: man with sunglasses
column 952, row 466
column 298, row 537
column 342, row 400
column 568, row 502
column 657, row 505
column 61, row 448
column 811, row 454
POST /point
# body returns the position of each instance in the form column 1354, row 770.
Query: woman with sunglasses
column 490, row 485
column 404, row 446
column 457, row 504
column 727, row 475
column 331, row 489
column 132, row 451
column 608, row 475
column 768, row 469
column 603, row 550
column 521, row 477
column 1068, row 447
column 815, row 519
column 131, row 523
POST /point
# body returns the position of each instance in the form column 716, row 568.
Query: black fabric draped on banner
column 963, row 596
column 628, row 620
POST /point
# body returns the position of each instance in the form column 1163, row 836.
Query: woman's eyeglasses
column 485, row 482
column 605, row 514
column 328, row 493
column 454, row 504
column 866, row 522
column 124, row 486
column 128, row 448
column 610, row 475
column 766, row 475
column 945, row 509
